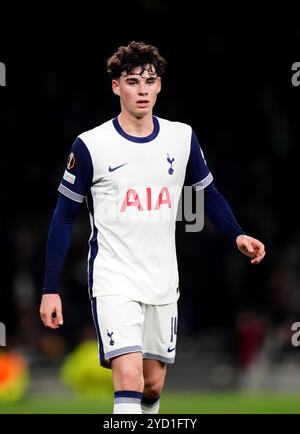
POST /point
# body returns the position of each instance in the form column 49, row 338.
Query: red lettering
column 148, row 190
column 160, row 199
column 136, row 200
column 132, row 199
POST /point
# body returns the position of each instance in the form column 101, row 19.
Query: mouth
column 142, row 102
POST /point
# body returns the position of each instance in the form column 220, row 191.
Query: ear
column 115, row 87
column 159, row 84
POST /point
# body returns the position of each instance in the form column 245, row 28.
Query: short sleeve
column 78, row 175
column 197, row 173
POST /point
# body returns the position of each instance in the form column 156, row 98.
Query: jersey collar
column 137, row 139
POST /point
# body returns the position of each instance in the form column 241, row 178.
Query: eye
column 151, row 81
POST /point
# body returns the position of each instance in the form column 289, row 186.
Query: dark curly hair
column 135, row 54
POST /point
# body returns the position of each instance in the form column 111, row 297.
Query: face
column 138, row 92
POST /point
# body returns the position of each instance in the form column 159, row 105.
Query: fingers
column 259, row 257
column 57, row 320
column 251, row 247
column 49, row 320
column 51, row 311
column 246, row 248
column 249, row 250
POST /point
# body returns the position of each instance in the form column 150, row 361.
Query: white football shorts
column 126, row 326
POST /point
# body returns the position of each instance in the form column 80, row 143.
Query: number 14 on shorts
column 173, row 333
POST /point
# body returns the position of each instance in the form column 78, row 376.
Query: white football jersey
column 132, row 187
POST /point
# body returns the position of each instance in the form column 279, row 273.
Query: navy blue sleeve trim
column 58, row 242
column 197, row 172
column 220, row 214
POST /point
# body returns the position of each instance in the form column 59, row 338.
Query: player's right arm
column 76, row 181
column 58, row 242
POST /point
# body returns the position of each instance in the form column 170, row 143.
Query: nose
column 142, row 90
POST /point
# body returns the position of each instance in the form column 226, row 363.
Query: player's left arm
column 221, row 215
column 216, row 206
column 251, row 247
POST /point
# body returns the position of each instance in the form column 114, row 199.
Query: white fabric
column 136, row 243
column 129, row 326
column 125, row 408
column 151, row 409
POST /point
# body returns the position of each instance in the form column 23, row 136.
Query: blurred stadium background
column 229, row 76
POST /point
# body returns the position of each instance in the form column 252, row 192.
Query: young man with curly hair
column 127, row 170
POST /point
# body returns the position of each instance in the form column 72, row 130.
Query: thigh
column 160, row 332
column 119, row 326
column 127, row 372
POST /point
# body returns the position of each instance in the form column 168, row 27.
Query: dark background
column 229, row 77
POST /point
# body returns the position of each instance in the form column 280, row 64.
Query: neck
column 138, row 127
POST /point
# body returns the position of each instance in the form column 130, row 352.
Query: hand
column 51, row 311
column 251, row 247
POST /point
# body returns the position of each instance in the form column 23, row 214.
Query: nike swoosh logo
column 111, row 169
column 171, row 349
